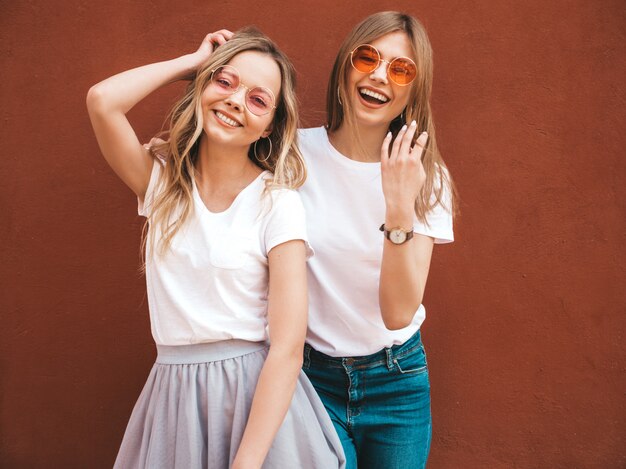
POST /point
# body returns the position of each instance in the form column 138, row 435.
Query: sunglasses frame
column 271, row 93
column 380, row 59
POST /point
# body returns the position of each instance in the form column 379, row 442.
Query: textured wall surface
column 525, row 325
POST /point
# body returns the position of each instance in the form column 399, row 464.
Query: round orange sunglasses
column 366, row 58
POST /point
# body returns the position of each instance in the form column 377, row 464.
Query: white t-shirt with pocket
column 212, row 283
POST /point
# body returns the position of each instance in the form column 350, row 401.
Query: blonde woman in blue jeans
column 378, row 197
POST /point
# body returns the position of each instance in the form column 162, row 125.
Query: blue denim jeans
column 379, row 404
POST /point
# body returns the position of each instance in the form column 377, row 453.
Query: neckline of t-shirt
column 235, row 202
column 372, row 166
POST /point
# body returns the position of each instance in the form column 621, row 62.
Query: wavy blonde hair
column 340, row 111
column 179, row 145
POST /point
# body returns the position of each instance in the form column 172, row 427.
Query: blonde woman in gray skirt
column 226, row 247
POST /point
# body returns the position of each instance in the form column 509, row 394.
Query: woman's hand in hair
column 403, row 174
column 109, row 101
column 210, row 42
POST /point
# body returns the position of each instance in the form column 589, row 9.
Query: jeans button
column 349, row 361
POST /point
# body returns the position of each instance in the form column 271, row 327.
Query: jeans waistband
column 384, row 356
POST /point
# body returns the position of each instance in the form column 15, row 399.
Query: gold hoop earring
column 264, row 160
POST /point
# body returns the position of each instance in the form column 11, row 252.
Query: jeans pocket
column 413, row 362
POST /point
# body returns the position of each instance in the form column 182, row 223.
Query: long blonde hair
column 173, row 195
column 340, row 111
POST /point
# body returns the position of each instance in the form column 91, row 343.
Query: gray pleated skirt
column 193, row 410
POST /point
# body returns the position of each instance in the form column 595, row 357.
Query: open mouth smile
column 226, row 119
column 373, row 97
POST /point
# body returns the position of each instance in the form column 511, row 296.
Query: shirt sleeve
column 439, row 219
column 143, row 206
column 286, row 220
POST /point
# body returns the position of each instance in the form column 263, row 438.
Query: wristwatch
column 396, row 235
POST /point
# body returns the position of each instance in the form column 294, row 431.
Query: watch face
column 397, row 236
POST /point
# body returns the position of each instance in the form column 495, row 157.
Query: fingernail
column 413, row 123
column 388, row 135
column 403, row 128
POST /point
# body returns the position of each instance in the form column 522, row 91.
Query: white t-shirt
column 345, row 207
column 211, row 284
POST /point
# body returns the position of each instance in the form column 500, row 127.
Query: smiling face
column 227, row 120
column 375, row 98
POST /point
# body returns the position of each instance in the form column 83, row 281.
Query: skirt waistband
column 208, row 352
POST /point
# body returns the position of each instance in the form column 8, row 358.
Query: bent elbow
column 394, row 324
column 399, row 317
column 95, row 98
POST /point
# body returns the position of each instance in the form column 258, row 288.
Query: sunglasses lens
column 364, row 59
column 402, row 71
column 259, row 101
column 225, row 79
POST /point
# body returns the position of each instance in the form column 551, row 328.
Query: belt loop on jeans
column 307, row 356
column 389, row 353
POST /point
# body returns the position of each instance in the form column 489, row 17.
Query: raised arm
column 110, row 100
column 404, row 268
column 287, row 316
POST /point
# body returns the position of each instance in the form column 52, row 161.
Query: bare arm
column 405, row 267
column 110, row 100
column 287, row 316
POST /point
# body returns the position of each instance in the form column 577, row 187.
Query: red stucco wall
column 525, row 311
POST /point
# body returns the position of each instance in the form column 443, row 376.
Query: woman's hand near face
column 402, row 171
column 404, row 268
